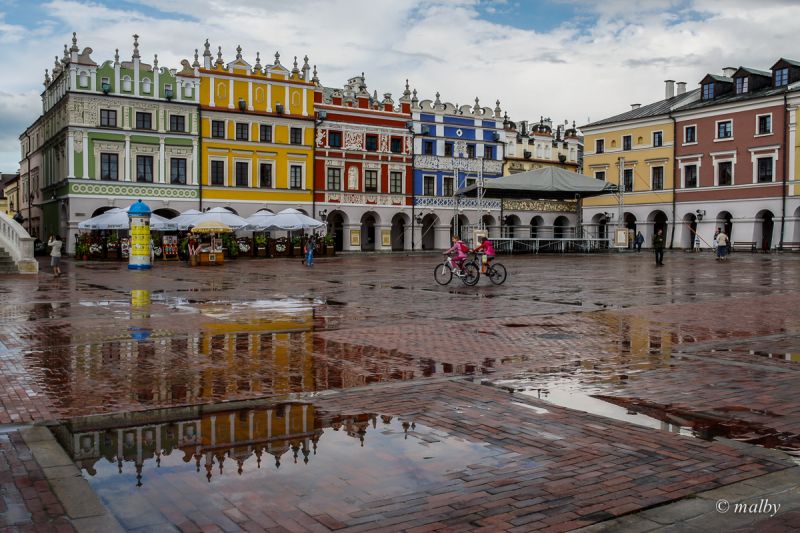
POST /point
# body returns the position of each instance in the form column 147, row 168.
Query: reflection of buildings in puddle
column 788, row 356
column 212, row 439
column 638, row 340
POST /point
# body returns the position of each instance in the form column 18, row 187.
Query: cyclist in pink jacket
column 487, row 248
column 459, row 252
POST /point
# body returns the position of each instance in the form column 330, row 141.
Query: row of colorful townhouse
column 722, row 156
column 269, row 136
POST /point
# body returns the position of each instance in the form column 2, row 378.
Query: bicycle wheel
column 497, row 273
column 472, row 273
column 442, row 274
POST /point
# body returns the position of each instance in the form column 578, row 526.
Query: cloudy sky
column 567, row 59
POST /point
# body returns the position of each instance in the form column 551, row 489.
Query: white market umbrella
column 292, row 220
column 116, row 218
column 260, row 220
column 220, row 214
column 186, row 219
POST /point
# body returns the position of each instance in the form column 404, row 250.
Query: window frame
column 215, row 125
column 398, row 175
column 600, row 175
column 337, row 136
column 599, row 146
column 141, row 161
column 759, row 133
column 369, row 139
column 758, row 161
column 370, row 175
column 627, row 143
column 296, row 136
column 660, row 143
column 177, row 120
column 270, row 180
column 428, row 178
column 265, row 133
column 292, row 177
column 237, row 164
column 653, row 178
column 718, row 172
column 781, row 77
column 471, row 151
column 448, row 185
column 222, row 165
column 742, row 84
column 428, row 147
column 329, row 177
column 686, row 129
column 449, row 148
column 172, row 170
column 115, row 165
column 396, row 145
column 105, row 123
column 717, row 125
column 707, row 91
column 625, row 172
column 242, row 131
column 488, row 152
column 141, row 115
column 684, row 175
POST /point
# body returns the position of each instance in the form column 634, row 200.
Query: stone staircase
column 7, row 264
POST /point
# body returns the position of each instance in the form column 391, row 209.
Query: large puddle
column 196, row 466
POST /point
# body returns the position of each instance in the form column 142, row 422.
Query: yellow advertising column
column 139, row 256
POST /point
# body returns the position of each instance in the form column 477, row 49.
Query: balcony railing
column 435, row 162
column 448, row 202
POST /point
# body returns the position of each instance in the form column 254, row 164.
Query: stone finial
column 497, row 110
column 257, row 66
column 387, row 99
column 315, row 78
column 155, row 62
column 295, row 70
column 414, row 99
column 206, row 49
column 406, row 93
column 56, row 66
column 74, row 47
column 219, row 61
column 277, row 58
column 65, row 59
column 306, row 68
column 437, row 102
column 476, row 109
column 116, row 57
column 238, row 51
column 135, row 46
column 196, row 63
column 46, row 77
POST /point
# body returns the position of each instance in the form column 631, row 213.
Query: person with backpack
column 458, row 252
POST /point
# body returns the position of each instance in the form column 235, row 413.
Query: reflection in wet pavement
column 198, row 469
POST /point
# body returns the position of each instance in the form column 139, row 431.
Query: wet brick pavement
column 695, row 336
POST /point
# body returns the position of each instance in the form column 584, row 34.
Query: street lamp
column 323, row 215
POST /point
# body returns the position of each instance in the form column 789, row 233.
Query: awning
column 548, row 183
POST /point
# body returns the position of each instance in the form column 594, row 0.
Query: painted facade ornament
column 549, row 206
column 74, row 47
column 353, row 140
column 155, row 62
column 219, row 61
column 135, row 46
column 238, row 51
column 497, row 111
column 322, row 137
column 384, row 143
column 315, row 79
column 196, row 63
column 306, row 68
column 277, row 58
column 352, row 178
column 432, row 162
column 116, row 57
column 257, row 66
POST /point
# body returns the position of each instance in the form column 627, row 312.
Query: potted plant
column 81, row 251
column 183, row 248
column 112, row 246
column 280, row 247
column 244, row 246
column 260, row 245
column 231, row 246
column 330, row 244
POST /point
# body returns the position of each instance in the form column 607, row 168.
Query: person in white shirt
column 55, row 254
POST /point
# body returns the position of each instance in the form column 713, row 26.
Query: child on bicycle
column 458, row 252
column 487, row 248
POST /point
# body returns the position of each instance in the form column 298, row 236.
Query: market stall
column 208, row 252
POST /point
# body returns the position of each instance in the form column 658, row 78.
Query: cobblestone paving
column 695, row 337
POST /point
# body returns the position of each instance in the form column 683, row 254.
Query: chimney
column 669, row 89
column 681, row 87
column 635, row 106
column 728, row 72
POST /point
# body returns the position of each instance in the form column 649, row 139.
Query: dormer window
column 781, row 77
column 708, row 91
column 742, row 85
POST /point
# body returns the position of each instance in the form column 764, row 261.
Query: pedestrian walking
column 638, row 242
column 309, row 251
column 715, row 241
column 722, row 246
column 658, row 247
column 55, row 245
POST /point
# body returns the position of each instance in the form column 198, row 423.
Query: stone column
column 126, row 160
column 415, row 234
column 86, row 155
column 162, row 177
column 442, row 236
column 190, row 170
column 70, row 155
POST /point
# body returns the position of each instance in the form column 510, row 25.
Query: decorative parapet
column 364, row 198
column 137, row 190
column 546, row 206
column 434, row 162
column 448, row 202
column 19, row 245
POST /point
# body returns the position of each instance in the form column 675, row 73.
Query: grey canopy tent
column 548, row 183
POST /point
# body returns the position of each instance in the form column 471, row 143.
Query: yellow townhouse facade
column 257, row 133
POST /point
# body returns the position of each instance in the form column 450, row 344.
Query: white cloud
column 615, row 52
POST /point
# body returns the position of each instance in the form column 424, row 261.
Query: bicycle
column 443, row 273
column 496, row 272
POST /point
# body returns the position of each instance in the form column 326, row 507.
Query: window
column 144, row 121
column 218, row 129
column 144, row 168
column 658, row 139
column 265, row 133
column 725, row 129
column 428, row 186
column 371, row 180
column 471, row 151
column 217, row 173
column 448, row 149
column 427, row 147
column 108, row 117
column 395, row 182
column 109, row 167
column 626, row 142
column 764, row 124
column 488, row 152
column 725, row 173
column 396, row 145
column 335, row 139
column 177, row 171
column 599, row 146
column 265, row 175
column 334, row 179
column 627, row 176
column 600, row 175
column 781, row 77
column 296, row 175
column 447, row 186
column 177, row 123
column 242, row 172
column 296, row 137
column 242, row 132
column 741, row 85
column 690, row 176
column 765, row 171
column 690, row 134
column 708, row 91
column 471, row 182
column 372, row 143
column 658, row 178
